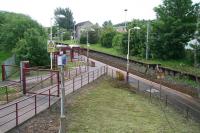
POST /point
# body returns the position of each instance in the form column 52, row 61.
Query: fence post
column 160, row 92
column 16, row 115
column 58, row 83
column 150, row 92
column 88, row 77
column 79, row 69
column 138, row 85
column 81, row 80
column 93, row 75
column 112, row 73
column 49, row 98
column 187, row 113
column 73, row 84
column 35, row 104
column 69, row 74
column 6, row 93
column 51, row 78
column 24, row 80
column 166, row 97
column 3, row 72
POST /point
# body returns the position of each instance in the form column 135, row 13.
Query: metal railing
column 17, row 112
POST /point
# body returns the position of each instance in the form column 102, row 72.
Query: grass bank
column 109, row 107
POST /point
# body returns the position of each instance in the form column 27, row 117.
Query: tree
column 107, row 24
column 175, row 25
column 68, row 21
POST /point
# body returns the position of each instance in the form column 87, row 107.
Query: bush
column 83, row 39
column 117, row 41
column 107, row 37
column 66, row 36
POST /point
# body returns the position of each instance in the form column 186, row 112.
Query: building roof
column 82, row 23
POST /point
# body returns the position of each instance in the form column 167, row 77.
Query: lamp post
column 51, row 37
column 87, row 42
column 127, row 68
column 125, row 18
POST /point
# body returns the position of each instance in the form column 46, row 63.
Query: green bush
column 66, row 36
column 83, row 39
column 117, row 41
column 107, row 37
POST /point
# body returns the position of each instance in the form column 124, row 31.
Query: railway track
column 143, row 70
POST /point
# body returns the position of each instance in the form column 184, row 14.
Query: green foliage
column 137, row 38
column 66, row 22
column 107, row 24
column 174, row 27
column 66, row 35
column 83, row 39
column 107, row 36
column 12, row 28
column 117, row 41
column 33, row 48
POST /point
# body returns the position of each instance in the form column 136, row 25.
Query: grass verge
column 110, row 107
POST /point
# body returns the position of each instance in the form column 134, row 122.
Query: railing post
column 166, row 97
column 160, row 91
column 150, row 92
column 3, row 72
column 6, row 93
column 58, row 84
column 88, row 77
column 107, row 70
column 51, row 78
column 138, row 85
column 35, row 104
column 49, row 98
column 69, row 74
column 112, row 73
column 187, row 113
column 24, row 80
column 79, row 69
column 16, row 115
column 93, row 76
column 81, row 80
column 73, row 85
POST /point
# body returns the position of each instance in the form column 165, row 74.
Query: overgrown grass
column 9, row 91
column 109, row 107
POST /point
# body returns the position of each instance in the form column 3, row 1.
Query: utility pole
column 147, row 42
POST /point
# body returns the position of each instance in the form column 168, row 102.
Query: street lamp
column 127, row 68
column 125, row 17
column 51, row 37
column 87, row 42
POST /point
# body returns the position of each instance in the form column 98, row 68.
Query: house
column 121, row 29
column 82, row 26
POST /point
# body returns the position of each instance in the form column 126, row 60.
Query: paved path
column 27, row 106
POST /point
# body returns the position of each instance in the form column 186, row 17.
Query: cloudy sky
column 93, row 10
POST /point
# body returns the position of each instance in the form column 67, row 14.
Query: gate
column 36, row 81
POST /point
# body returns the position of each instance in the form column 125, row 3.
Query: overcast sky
column 83, row 10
